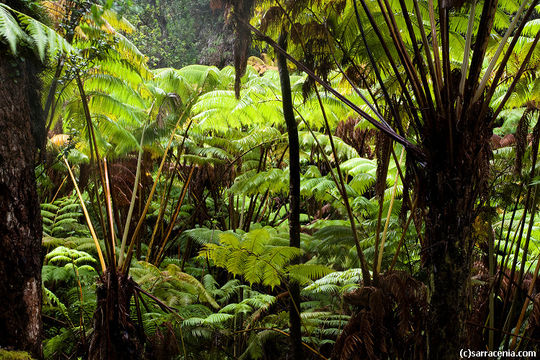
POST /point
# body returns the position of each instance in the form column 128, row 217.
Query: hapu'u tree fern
column 171, row 285
column 69, row 299
column 261, row 256
column 259, row 103
column 436, row 69
column 61, row 218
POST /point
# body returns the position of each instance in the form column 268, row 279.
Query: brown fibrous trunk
column 115, row 336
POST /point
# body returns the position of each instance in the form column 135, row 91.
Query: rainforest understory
column 309, row 179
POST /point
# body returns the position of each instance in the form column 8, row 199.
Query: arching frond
column 31, row 33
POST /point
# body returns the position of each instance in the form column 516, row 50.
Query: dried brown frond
column 122, row 176
column 533, row 329
column 536, row 131
column 163, row 344
column 508, row 140
column 272, row 17
column 217, row 4
column 452, row 4
column 260, row 65
column 389, row 320
column 358, row 139
column 383, row 148
column 238, row 13
column 521, row 139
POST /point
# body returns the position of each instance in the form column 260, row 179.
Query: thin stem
column 87, row 218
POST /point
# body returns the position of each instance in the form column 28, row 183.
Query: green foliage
column 171, row 285
column 227, row 265
column 259, row 257
column 14, row 355
column 180, row 33
column 335, row 283
column 31, row 33
column 61, row 219
column 69, row 298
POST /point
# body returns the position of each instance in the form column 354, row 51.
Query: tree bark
column 115, row 337
column 20, row 220
column 455, row 178
column 294, row 195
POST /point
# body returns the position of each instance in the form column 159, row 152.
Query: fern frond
column 305, row 273
column 32, row 33
column 10, row 29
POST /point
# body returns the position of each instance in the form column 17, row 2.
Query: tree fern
column 171, row 284
column 335, row 282
column 31, row 33
column 257, row 258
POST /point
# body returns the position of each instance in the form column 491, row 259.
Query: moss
column 14, row 355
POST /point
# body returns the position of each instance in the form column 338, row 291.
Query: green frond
column 256, row 342
column 30, row 32
column 174, row 271
column 335, row 282
column 320, row 188
column 63, row 255
column 217, row 319
column 203, row 236
column 236, row 309
column 10, row 30
column 45, row 40
column 170, row 81
column 63, row 343
column 254, row 256
column 305, row 273
column 51, row 299
column 251, row 182
column 204, row 78
column 116, row 22
column 130, row 52
column 259, row 300
column 171, row 285
column 107, row 104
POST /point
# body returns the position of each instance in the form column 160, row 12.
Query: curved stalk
column 132, row 202
column 381, row 249
column 87, row 218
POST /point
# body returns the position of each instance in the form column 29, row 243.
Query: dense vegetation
column 172, row 224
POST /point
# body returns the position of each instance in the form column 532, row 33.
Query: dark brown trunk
column 115, row 337
column 455, row 179
column 20, row 220
column 294, row 196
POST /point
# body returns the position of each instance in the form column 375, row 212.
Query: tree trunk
column 294, row 196
column 455, row 178
column 20, row 220
column 115, row 337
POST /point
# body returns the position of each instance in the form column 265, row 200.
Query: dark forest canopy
column 176, row 33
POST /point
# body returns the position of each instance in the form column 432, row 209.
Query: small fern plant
column 61, row 219
column 261, row 257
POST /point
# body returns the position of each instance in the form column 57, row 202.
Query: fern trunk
column 115, row 337
column 20, row 220
column 454, row 180
column 294, row 197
